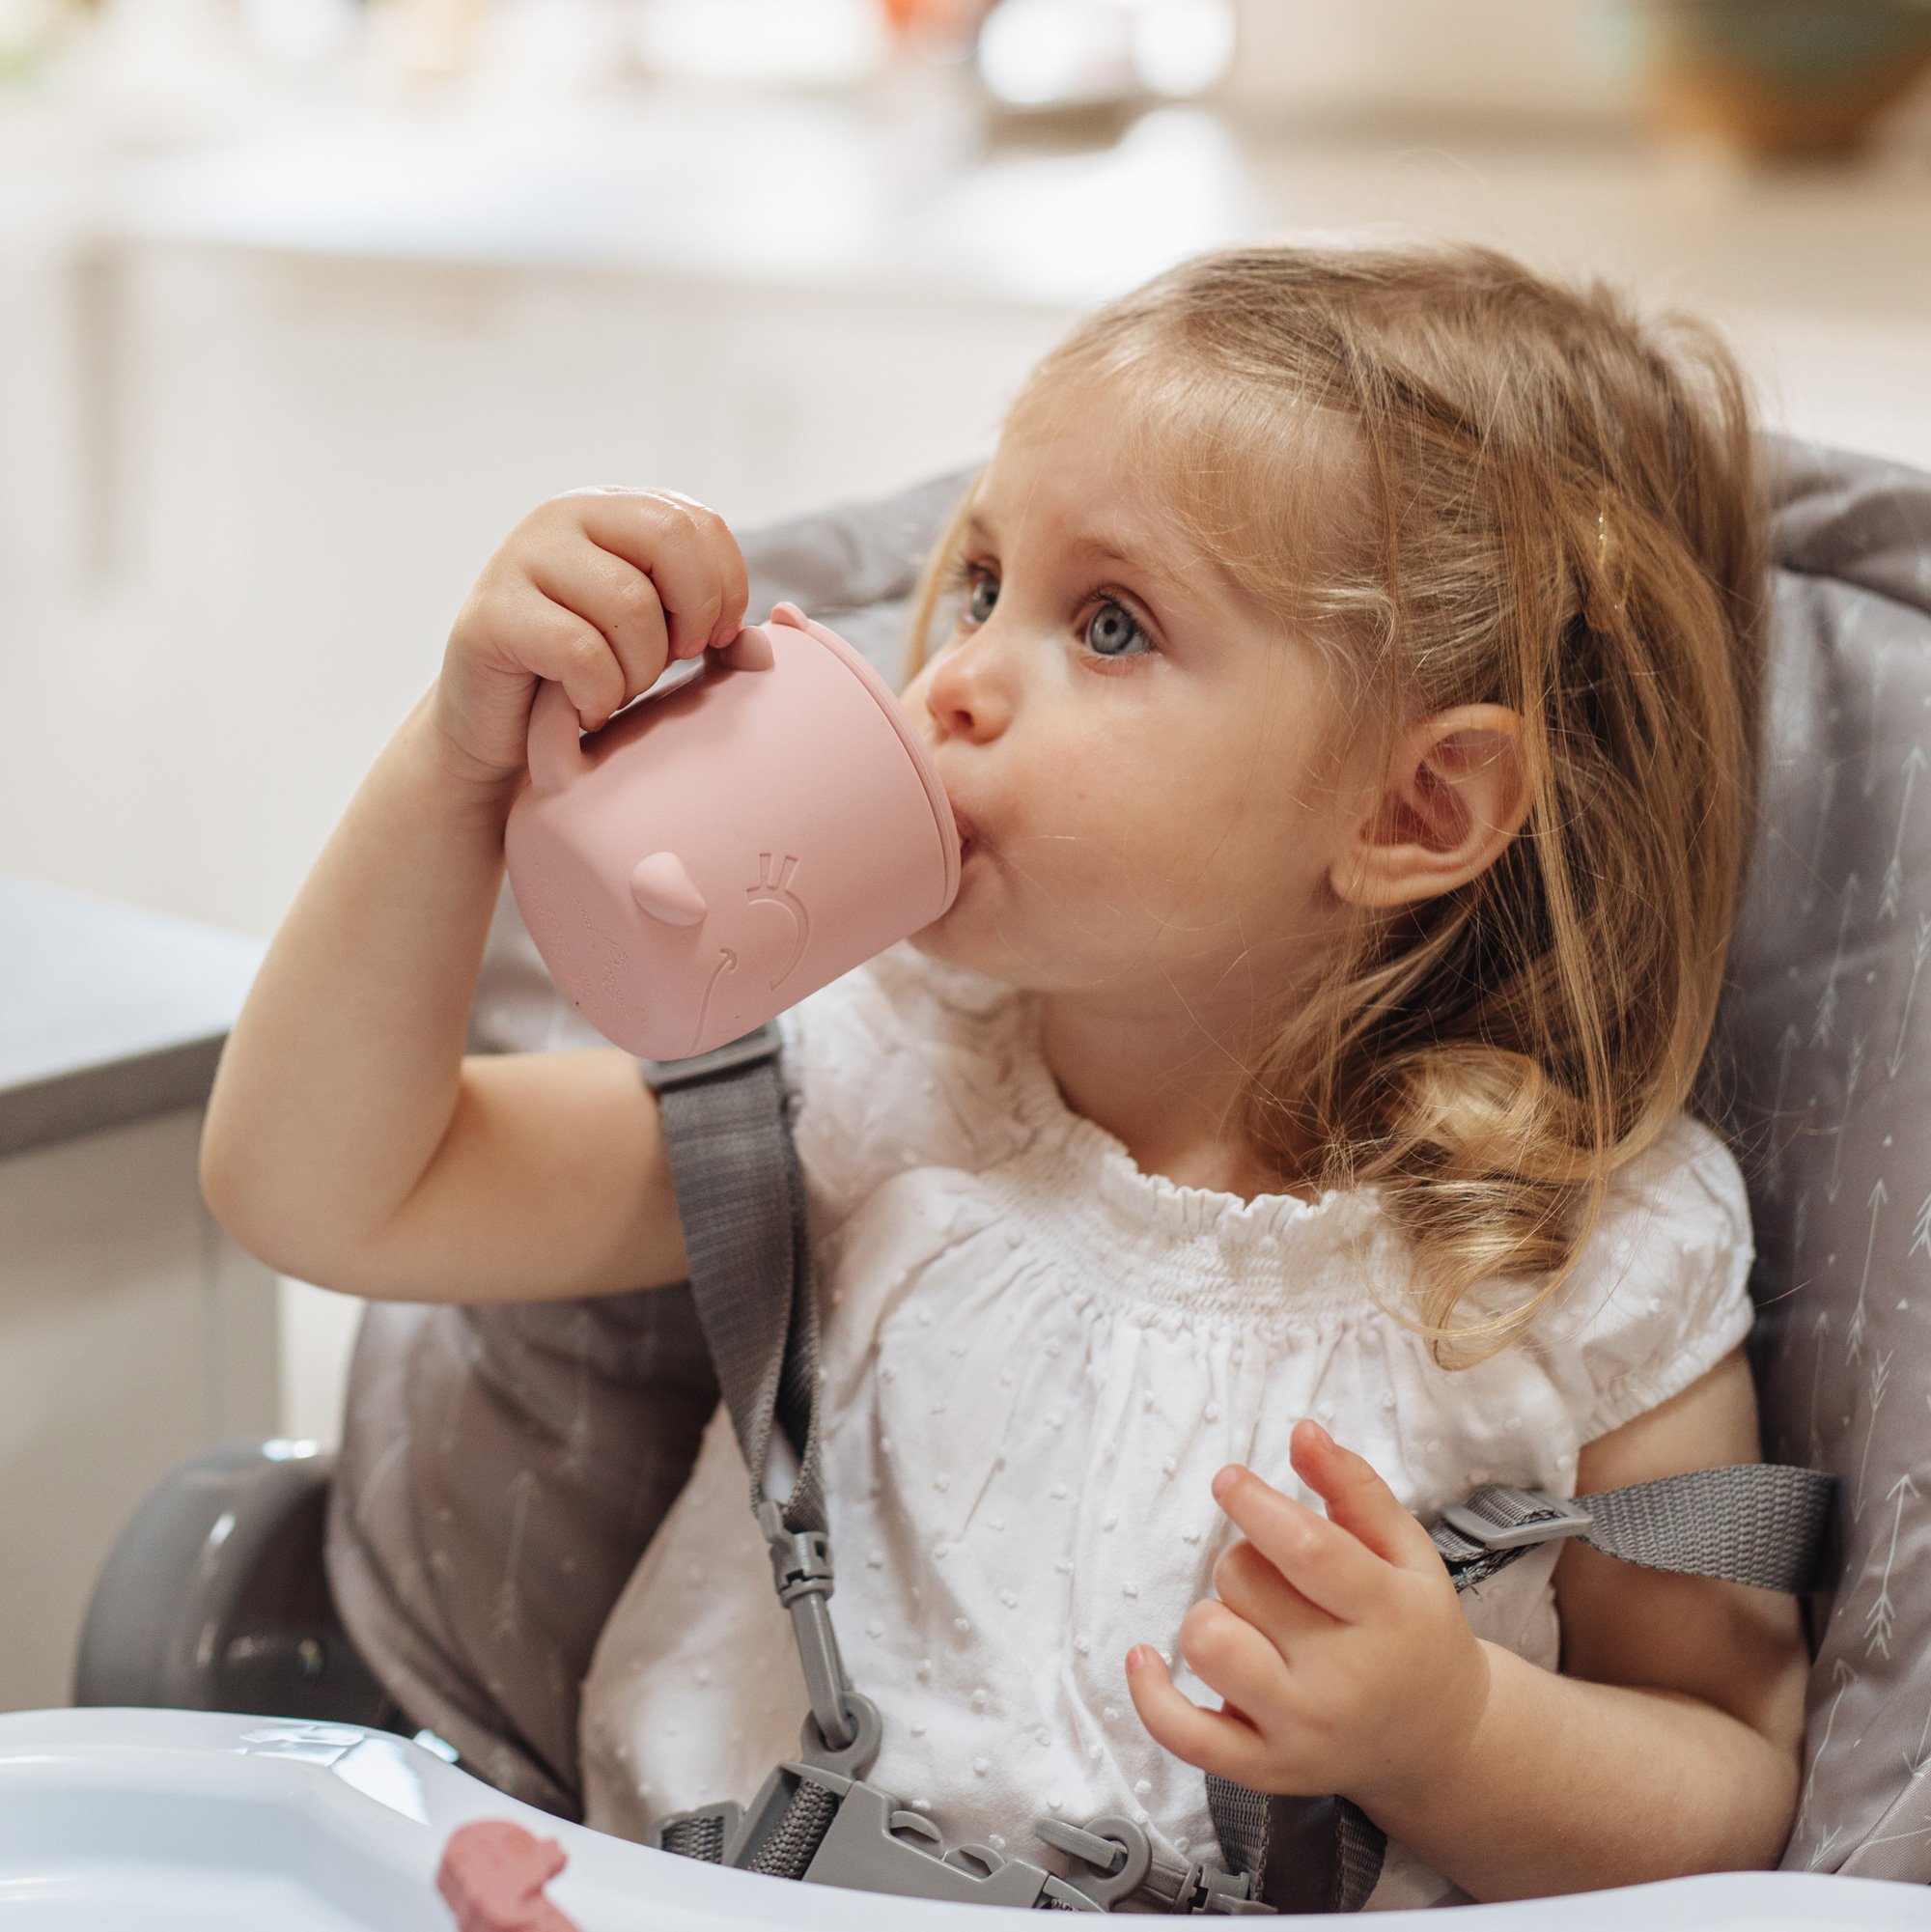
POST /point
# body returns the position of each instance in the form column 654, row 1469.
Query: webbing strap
column 800, row 1832
column 695, row 1837
column 1749, row 1522
column 1302, row 1854
column 741, row 1198
column 727, row 1137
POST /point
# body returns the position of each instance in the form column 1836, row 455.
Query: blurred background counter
column 132, row 1331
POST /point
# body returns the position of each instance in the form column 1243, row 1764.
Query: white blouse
column 1036, row 1356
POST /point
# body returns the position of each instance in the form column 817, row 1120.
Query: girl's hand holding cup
column 597, row 590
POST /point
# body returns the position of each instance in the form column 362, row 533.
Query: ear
column 1453, row 795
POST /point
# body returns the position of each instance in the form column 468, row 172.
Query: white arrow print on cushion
column 1893, row 873
column 1884, row 1613
column 1920, row 948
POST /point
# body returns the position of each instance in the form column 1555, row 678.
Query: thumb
column 1357, row 1500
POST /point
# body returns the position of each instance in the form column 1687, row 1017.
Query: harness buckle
column 1122, row 1864
column 1499, row 1515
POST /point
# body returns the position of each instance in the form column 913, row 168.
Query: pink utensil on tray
column 730, row 844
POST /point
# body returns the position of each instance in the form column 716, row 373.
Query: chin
column 936, row 941
column 954, row 940
column 951, row 940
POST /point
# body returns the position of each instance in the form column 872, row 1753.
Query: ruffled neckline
column 1096, row 1166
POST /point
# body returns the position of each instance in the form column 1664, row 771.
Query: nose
column 967, row 692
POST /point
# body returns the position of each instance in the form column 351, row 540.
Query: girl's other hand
column 1336, row 1644
column 598, row 589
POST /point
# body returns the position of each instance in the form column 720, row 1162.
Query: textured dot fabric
column 1035, row 1358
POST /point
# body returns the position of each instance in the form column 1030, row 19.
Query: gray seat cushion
column 489, row 1455
column 1824, row 1041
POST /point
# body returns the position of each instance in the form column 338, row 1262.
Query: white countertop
column 901, row 189
column 109, row 1013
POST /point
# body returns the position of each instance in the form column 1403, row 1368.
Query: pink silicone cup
column 718, row 851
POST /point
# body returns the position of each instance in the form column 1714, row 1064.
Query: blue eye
column 1111, row 630
column 982, row 597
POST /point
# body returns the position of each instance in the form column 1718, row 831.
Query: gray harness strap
column 740, row 1198
column 728, row 1141
column 1752, row 1523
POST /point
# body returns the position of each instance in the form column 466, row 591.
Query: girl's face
column 1131, row 741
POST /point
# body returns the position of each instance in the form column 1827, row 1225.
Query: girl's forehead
column 1263, row 494
column 1058, row 487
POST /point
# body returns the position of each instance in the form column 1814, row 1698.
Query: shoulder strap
column 741, row 1199
column 726, row 1139
column 1750, row 1523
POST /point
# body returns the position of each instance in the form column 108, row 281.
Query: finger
column 737, row 585
column 1358, row 1499
column 1253, row 1588
column 530, row 633
column 1209, row 1740
column 1327, row 1564
column 734, row 582
column 1230, row 1656
column 687, row 551
column 618, row 598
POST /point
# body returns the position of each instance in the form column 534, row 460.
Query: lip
column 967, row 835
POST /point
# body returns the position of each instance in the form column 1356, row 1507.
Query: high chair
column 490, row 1453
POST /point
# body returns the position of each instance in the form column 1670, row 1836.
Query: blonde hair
column 1554, row 506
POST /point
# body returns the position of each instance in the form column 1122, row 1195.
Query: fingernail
column 1138, row 1658
column 1225, row 1480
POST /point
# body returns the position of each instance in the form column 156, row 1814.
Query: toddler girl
column 1348, row 689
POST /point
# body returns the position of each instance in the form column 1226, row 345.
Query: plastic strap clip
column 1499, row 1515
column 763, row 1044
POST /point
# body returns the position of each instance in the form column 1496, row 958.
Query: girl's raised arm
column 349, row 1141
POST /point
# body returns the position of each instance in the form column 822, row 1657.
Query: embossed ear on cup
column 749, row 650
column 663, row 888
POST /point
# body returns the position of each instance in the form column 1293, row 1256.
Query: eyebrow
column 1102, row 548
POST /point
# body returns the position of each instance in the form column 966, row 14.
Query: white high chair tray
column 192, row 1821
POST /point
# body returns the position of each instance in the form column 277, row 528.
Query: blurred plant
column 1782, row 79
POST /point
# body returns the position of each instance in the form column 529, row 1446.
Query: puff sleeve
column 1662, row 1292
